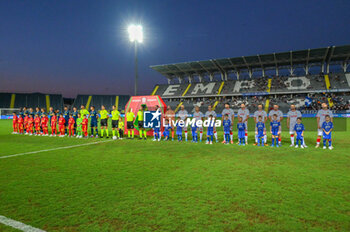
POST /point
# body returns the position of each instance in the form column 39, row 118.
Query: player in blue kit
column 194, row 133
column 167, row 129
column 241, row 131
column 227, row 128
column 179, row 127
column 275, row 129
column 299, row 133
column 93, row 121
column 327, row 128
column 260, row 131
column 51, row 113
column 75, row 116
column 66, row 118
column 210, row 130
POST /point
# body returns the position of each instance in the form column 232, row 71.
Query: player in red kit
column 61, row 127
column 15, row 124
column 71, row 123
column 25, row 121
column 20, row 124
column 44, row 122
column 30, row 124
column 37, row 122
column 85, row 126
column 53, row 125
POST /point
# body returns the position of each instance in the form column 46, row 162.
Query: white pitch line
column 53, row 149
column 18, row 225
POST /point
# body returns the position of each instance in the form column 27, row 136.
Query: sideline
column 18, row 225
column 53, row 149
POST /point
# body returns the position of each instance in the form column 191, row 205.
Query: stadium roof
column 291, row 59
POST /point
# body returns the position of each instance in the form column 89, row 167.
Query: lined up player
column 210, row 130
column 327, row 128
column 37, row 111
column 212, row 113
column 93, row 122
column 197, row 115
column 53, row 124
column 51, row 114
column 275, row 130
column 299, row 133
column 292, row 117
column 66, row 119
column 231, row 115
column 260, row 131
column 183, row 114
column 263, row 114
column 279, row 114
column 15, row 123
column 75, row 116
column 83, row 111
column 243, row 113
column 321, row 118
column 227, row 128
column 71, row 123
column 241, row 129
column 170, row 116
column 61, row 125
column 104, row 121
column 115, row 122
column 167, row 129
column 130, row 116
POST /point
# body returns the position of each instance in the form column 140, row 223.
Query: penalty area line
column 18, row 225
column 53, row 149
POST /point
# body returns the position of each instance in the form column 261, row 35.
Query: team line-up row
column 76, row 124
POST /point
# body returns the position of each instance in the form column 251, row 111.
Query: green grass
column 169, row 186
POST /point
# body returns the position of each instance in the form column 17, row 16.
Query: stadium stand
column 5, row 100
column 31, row 100
column 282, row 84
column 98, row 100
column 272, row 79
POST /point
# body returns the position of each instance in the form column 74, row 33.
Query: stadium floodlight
column 135, row 33
column 135, row 36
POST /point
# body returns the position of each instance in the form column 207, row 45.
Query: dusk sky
column 72, row 47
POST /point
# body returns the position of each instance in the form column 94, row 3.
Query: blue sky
column 73, row 47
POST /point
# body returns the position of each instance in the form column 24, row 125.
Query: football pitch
column 70, row 184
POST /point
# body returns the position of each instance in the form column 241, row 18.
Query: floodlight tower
column 135, row 36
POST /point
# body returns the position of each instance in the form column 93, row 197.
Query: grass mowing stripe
column 53, row 149
column 18, row 225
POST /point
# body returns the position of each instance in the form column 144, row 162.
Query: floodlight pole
column 136, row 68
